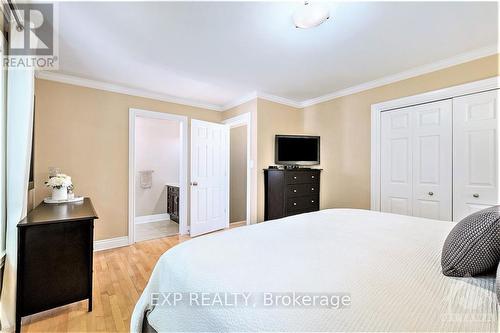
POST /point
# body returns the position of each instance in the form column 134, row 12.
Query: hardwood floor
column 120, row 275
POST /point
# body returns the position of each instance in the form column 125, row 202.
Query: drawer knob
column 312, row 201
column 431, row 193
column 295, row 204
column 294, row 177
column 294, row 191
column 312, row 188
column 475, row 195
column 312, row 177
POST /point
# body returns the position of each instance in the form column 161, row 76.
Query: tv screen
column 297, row 149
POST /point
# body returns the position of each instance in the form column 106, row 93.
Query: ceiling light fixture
column 310, row 15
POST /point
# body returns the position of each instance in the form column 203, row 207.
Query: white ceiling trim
column 280, row 100
column 256, row 94
column 116, row 88
column 242, row 100
column 456, row 60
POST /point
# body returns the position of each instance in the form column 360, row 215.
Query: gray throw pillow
column 473, row 245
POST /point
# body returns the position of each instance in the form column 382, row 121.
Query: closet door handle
column 475, row 195
column 194, row 183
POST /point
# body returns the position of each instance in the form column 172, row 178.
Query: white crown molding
column 280, row 100
column 242, row 100
column 445, row 63
column 116, row 88
column 268, row 97
column 436, row 95
column 456, row 60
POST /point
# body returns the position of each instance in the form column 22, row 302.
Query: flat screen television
column 296, row 150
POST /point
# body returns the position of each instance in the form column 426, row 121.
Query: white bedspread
column 388, row 264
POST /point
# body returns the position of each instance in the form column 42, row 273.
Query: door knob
column 431, row 193
column 475, row 195
column 294, row 191
column 194, row 183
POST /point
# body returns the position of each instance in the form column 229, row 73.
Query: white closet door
column 416, row 161
column 475, row 153
column 432, row 160
column 396, row 162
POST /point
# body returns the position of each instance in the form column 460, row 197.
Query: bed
column 387, row 264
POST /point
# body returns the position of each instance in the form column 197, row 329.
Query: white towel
column 146, row 177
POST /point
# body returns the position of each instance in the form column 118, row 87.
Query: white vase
column 60, row 193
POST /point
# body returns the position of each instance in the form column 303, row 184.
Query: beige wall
column 238, row 174
column 84, row 132
column 268, row 119
column 273, row 118
column 344, row 126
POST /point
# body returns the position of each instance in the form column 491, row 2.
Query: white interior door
column 432, row 160
column 209, row 177
column 475, row 153
column 396, row 162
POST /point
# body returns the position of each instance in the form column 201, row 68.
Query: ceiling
column 215, row 52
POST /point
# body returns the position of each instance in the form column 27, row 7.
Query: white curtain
column 20, row 99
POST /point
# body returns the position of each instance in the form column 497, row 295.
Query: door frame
column 242, row 120
column 431, row 96
column 183, row 167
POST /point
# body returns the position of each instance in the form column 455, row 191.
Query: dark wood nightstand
column 54, row 258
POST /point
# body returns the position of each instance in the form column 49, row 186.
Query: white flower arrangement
column 59, row 181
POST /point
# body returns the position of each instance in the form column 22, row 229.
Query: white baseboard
column 110, row 243
column 151, row 218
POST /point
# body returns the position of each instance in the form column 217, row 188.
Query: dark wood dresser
column 290, row 192
column 54, row 260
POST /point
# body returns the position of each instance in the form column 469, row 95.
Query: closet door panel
column 475, row 151
column 432, row 160
column 396, row 173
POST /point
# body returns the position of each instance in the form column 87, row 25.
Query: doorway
column 238, row 174
column 157, row 175
column 242, row 177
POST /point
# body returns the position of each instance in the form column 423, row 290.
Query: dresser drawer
column 301, row 177
column 303, row 204
column 300, row 190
